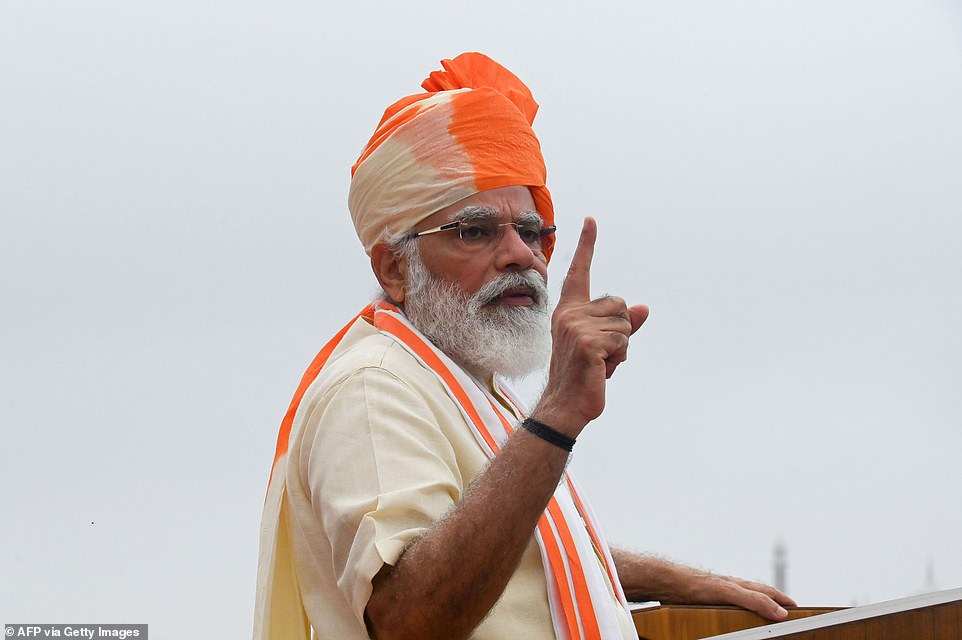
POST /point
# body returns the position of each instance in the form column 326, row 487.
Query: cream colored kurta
column 378, row 453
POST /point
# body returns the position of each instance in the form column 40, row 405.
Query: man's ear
column 390, row 270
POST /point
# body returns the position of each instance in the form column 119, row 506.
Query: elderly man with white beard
column 412, row 494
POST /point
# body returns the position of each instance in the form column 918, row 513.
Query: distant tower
column 778, row 561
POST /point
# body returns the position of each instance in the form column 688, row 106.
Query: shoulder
column 372, row 383
column 364, row 354
column 376, row 412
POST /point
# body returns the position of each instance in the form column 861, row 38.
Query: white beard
column 484, row 338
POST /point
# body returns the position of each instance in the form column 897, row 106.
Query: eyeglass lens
column 483, row 233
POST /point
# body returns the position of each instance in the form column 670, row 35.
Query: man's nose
column 512, row 253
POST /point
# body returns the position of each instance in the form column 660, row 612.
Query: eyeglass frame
column 471, row 214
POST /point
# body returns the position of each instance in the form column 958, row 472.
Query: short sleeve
column 379, row 472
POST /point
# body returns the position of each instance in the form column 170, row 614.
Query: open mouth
column 517, row 296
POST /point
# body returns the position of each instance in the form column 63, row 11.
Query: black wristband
column 548, row 434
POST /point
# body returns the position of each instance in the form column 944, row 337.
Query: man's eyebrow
column 531, row 217
column 478, row 212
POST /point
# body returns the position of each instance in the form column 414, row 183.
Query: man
column 412, row 496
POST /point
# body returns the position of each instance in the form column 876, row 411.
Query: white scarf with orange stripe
column 570, row 540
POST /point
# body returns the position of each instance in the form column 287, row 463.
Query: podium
column 931, row 616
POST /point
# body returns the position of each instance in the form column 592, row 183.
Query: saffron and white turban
column 470, row 132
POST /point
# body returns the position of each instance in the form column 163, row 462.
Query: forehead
column 507, row 202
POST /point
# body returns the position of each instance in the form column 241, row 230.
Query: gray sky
column 779, row 181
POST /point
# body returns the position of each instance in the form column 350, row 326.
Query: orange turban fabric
column 470, row 132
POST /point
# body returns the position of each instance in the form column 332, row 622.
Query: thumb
column 638, row 313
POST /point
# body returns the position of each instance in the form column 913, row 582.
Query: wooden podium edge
column 688, row 622
column 844, row 616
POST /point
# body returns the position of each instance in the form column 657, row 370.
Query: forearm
column 645, row 577
column 448, row 579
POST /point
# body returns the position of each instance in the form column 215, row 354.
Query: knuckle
column 619, row 302
column 612, row 306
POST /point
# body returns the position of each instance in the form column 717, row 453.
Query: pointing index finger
column 577, row 284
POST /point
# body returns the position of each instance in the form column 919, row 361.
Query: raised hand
column 590, row 339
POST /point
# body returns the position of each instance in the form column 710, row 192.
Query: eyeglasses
column 487, row 234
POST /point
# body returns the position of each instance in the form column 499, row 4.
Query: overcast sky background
column 780, row 181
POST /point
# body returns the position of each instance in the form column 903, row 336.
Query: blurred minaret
column 778, row 561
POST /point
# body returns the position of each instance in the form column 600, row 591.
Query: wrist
column 549, row 434
column 552, row 410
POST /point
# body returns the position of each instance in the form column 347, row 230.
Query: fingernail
column 780, row 612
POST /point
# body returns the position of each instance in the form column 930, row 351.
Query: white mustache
column 495, row 289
